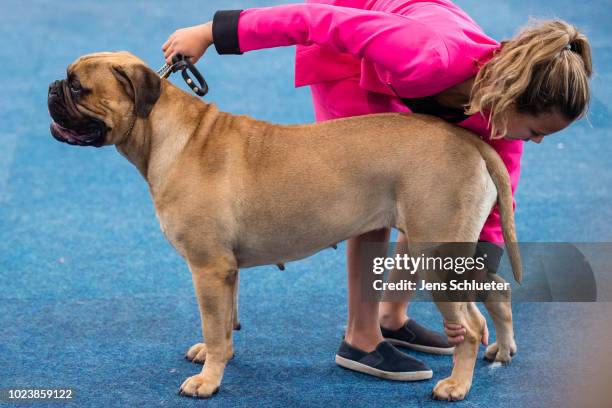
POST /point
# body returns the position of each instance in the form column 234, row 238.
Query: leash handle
column 201, row 87
column 181, row 63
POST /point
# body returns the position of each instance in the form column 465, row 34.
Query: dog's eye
column 75, row 86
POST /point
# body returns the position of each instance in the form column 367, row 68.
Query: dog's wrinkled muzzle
column 69, row 125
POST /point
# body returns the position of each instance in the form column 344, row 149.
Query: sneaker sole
column 388, row 375
column 424, row 349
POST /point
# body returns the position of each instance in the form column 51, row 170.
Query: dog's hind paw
column 500, row 353
column 450, row 389
column 197, row 353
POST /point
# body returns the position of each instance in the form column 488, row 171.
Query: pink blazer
column 417, row 47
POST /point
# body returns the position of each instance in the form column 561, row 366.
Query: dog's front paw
column 199, row 387
column 500, row 353
column 450, row 389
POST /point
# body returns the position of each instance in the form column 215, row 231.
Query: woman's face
column 524, row 126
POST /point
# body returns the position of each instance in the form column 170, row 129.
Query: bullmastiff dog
column 233, row 192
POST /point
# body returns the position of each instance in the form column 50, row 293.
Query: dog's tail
column 501, row 179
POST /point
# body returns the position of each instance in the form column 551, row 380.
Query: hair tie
column 569, row 46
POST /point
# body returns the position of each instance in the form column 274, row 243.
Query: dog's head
column 101, row 97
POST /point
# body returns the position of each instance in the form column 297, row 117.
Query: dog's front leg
column 197, row 352
column 214, row 284
column 457, row 386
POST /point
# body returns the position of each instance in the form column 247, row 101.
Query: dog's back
column 287, row 181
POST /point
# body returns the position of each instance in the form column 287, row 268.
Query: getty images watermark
column 426, row 264
column 551, row 272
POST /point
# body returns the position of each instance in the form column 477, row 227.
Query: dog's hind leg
column 214, row 283
column 458, row 225
column 464, row 312
column 457, row 386
column 460, row 311
column 500, row 309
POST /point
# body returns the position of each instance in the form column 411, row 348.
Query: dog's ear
column 142, row 84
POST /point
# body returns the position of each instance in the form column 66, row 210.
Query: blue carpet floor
column 92, row 297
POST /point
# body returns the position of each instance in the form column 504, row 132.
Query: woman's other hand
column 456, row 333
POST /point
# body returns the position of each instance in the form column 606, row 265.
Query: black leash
column 181, row 63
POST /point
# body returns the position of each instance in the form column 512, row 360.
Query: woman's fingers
column 174, row 48
column 169, row 48
column 453, row 341
column 168, row 55
column 168, row 42
column 454, row 332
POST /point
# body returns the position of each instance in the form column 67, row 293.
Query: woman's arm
column 384, row 38
column 403, row 46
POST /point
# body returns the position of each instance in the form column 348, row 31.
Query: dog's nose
column 54, row 88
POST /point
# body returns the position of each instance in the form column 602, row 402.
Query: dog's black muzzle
column 69, row 125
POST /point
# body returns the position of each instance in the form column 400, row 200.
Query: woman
column 370, row 56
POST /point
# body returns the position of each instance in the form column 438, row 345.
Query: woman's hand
column 456, row 332
column 191, row 42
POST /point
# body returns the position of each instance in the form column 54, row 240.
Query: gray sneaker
column 385, row 362
column 416, row 337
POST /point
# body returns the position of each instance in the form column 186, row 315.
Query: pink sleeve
column 403, row 46
column 510, row 153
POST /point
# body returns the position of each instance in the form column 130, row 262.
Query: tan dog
column 233, row 192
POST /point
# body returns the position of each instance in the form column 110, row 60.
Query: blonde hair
column 544, row 68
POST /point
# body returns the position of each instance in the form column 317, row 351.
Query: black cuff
column 493, row 254
column 225, row 31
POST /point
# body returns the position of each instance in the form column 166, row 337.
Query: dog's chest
column 170, row 231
